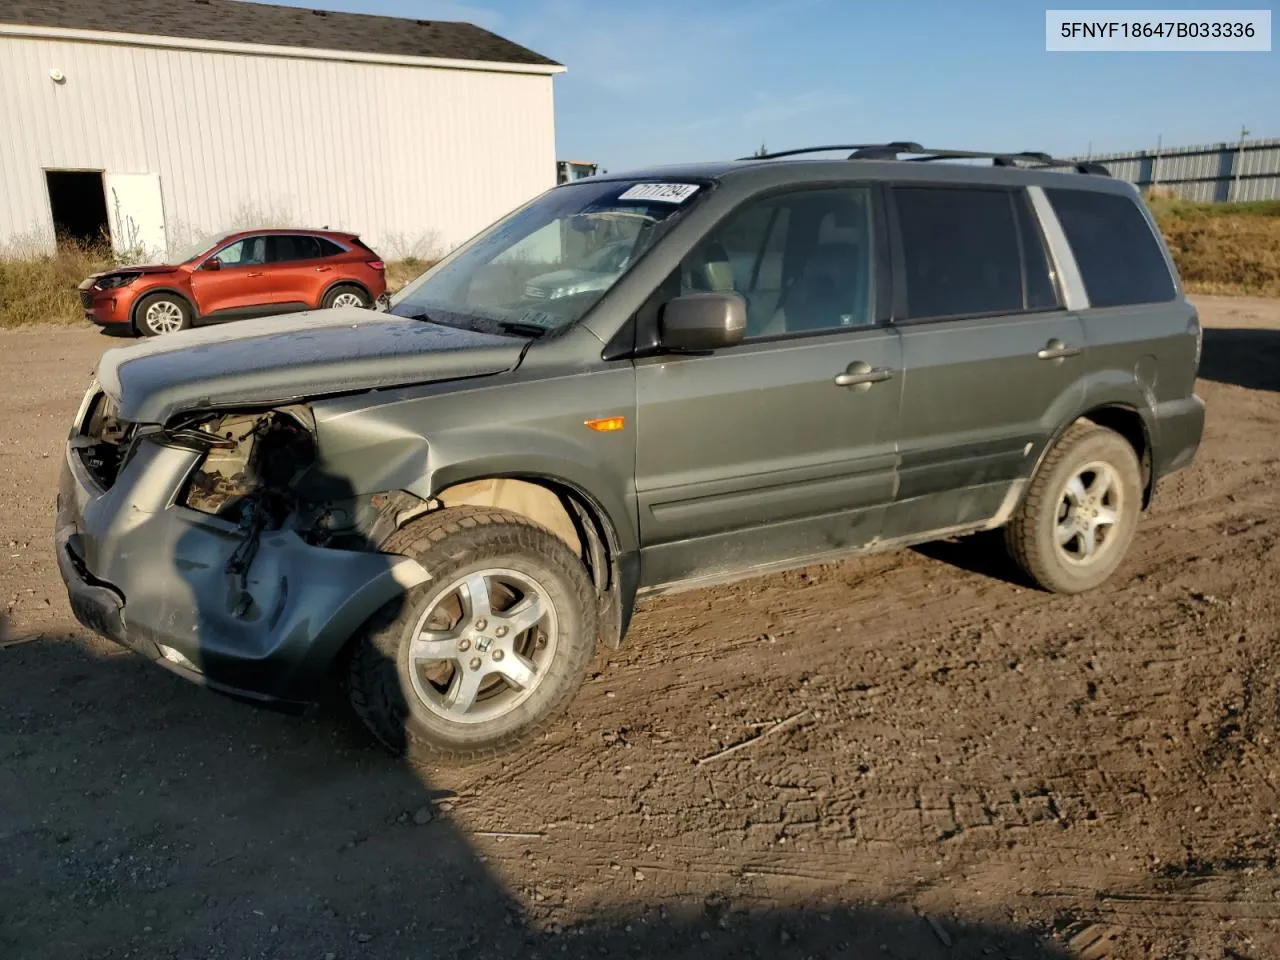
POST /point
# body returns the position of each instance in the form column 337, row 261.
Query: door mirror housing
column 699, row 322
column 213, row 263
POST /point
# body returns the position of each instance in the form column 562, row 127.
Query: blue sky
column 665, row 80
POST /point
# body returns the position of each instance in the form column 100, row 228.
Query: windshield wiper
column 481, row 324
column 522, row 329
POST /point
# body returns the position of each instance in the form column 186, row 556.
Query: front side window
column 249, row 251
column 1119, row 258
column 541, row 268
column 803, row 261
column 960, row 252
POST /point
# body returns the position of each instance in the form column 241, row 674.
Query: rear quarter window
column 1120, row 260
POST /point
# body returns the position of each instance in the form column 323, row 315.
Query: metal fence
column 1209, row 173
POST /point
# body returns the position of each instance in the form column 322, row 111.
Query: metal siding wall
column 1204, row 173
column 416, row 160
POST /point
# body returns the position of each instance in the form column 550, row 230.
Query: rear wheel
column 486, row 653
column 347, row 296
column 162, row 313
column 1074, row 527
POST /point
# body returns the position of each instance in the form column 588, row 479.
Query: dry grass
column 42, row 290
column 1229, row 249
column 400, row 272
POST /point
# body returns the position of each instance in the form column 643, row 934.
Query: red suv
column 249, row 274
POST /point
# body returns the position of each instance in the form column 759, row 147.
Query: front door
column 993, row 361
column 782, row 448
column 241, row 284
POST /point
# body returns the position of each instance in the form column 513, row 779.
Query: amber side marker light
column 607, row 424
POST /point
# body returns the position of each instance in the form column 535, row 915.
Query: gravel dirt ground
column 974, row 768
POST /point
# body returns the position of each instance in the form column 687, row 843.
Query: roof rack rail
column 896, row 149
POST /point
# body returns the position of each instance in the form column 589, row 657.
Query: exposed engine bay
column 250, row 465
column 252, row 475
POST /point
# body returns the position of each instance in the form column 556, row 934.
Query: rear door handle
column 862, row 374
column 258, row 274
column 323, row 269
column 1056, row 350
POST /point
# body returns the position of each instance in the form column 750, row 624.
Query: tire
column 1067, row 495
column 404, row 699
column 161, row 313
column 346, row 295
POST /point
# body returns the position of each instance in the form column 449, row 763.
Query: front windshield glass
column 544, row 266
column 189, row 251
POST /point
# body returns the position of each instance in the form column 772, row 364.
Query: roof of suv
column 793, row 168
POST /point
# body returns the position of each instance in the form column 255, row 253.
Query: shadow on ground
column 981, row 553
column 1243, row 357
column 140, row 816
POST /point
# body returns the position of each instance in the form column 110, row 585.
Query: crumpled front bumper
column 151, row 574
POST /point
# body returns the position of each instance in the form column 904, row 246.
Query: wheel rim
column 483, row 646
column 348, row 299
column 163, row 316
column 1089, row 512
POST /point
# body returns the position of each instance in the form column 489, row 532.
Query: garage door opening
column 79, row 206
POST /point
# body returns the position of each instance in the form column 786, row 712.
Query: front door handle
column 258, row 274
column 862, row 375
column 1055, row 349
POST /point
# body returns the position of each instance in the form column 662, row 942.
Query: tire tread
column 373, row 690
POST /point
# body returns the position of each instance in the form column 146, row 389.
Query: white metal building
column 171, row 120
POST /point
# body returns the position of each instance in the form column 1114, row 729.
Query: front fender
column 426, row 440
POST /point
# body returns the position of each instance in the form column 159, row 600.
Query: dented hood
column 294, row 357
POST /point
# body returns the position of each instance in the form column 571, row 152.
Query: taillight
column 377, row 265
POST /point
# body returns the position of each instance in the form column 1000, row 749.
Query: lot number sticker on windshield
column 660, row 192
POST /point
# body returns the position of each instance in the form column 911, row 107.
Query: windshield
column 189, row 251
column 544, row 266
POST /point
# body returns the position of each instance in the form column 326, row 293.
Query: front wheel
column 485, row 654
column 162, row 313
column 1080, row 513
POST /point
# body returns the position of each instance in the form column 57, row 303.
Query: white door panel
column 136, row 215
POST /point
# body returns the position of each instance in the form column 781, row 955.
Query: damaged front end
column 198, row 545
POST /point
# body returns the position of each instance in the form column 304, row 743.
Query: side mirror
column 213, row 263
column 704, row 321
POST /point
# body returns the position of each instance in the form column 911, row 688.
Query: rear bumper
column 1180, row 428
column 152, row 576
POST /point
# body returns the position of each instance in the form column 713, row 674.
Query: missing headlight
column 250, row 464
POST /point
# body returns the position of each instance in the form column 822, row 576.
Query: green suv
column 450, row 505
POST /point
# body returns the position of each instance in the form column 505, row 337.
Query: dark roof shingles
column 236, row 21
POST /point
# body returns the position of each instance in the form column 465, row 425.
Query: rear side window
column 285, row 247
column 960, row 250
column 1119, row 258
column 328, row 248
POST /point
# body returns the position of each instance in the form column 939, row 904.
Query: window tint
column 286, row 247
column 1042, row 291
column 328, row 248
column 803, row 261
column 1119, row 258
column 961, row 251
column 243, row 253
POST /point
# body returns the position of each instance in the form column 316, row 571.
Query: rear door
column 299, row 273
column 993, row 359
column 782, row 447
